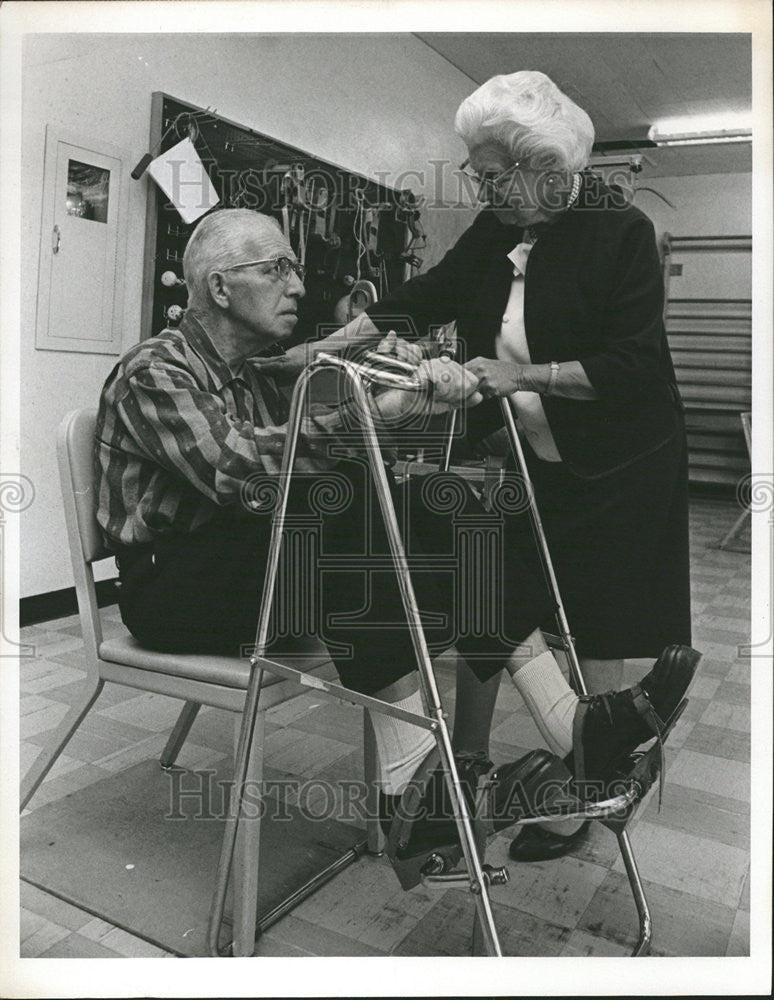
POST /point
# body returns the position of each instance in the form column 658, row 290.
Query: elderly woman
column 557, row 294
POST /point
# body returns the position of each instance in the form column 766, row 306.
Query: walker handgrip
column 372, row 374
column 388, row 359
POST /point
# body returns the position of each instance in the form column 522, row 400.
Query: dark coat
column 593, row 293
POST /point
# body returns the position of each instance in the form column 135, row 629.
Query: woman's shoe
column 535, row 843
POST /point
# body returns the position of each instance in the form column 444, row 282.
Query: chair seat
column 226, row 671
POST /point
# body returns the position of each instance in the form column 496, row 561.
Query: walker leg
column 249, row 723
column 247, row 850
column 643, row 912
column 431, row 698
column 478, row 944
column 541, row 541
column 477, row 881
column 179, row 734
column 635, row 882
column 478, row 885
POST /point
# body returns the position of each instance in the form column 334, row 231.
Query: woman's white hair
column 528, row 116
column 219, row 242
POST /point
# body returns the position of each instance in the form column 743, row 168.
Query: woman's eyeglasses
column 489, row 180
column 283, row 266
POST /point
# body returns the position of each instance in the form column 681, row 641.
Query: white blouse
column 511, row 347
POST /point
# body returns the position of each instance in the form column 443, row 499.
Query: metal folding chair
column 198, row 679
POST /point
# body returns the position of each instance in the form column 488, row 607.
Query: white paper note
column 181, row 176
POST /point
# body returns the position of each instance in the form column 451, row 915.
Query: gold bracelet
column 549, row 390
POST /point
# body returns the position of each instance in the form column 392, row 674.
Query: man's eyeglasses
column 283, row 266
column 488, row 180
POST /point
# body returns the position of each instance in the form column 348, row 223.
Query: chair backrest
column 75, row 455
column 75, row 452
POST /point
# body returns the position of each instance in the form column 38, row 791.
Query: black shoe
column 422, row 836
column 610, row 726
column 535, row 843
column 534, row 784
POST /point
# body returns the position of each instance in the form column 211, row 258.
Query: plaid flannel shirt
column 180, row 434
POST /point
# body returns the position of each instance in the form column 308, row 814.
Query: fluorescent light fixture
column 699, row 130
column 703, row 140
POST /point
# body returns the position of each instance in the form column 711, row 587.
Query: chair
column 197, row 679
column 736, row 529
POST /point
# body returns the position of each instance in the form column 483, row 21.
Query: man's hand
column 495, row 378
column 452, row 384
column 399, row 348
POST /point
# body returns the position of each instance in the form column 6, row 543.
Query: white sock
column 550, row 700
column 402, row 746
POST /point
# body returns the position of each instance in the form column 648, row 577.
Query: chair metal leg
column 248, row 846
column 734, row 531
column 376, row 837
column 638, row 891
column 730, row 536
column 58, row 740
column 179, row 734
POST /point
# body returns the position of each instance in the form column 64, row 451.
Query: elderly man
column 188, row 424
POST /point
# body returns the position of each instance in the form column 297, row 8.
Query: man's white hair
column 218, row 242
column 528, row 116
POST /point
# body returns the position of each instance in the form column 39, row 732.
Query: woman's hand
column 401, row 349
column 495, row 378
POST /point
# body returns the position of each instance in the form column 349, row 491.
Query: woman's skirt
column 619, row 546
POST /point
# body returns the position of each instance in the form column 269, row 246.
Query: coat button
column 505, row 319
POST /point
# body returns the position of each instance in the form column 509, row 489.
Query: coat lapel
column 489, row 306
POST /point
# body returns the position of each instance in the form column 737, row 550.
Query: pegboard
column 345, row 226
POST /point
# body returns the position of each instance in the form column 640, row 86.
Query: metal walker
column 614, row 812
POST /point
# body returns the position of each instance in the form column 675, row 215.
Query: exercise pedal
column 495, row 799
column 642, row 769
column 460, row 877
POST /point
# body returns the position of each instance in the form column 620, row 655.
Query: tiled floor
column 693, row 854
